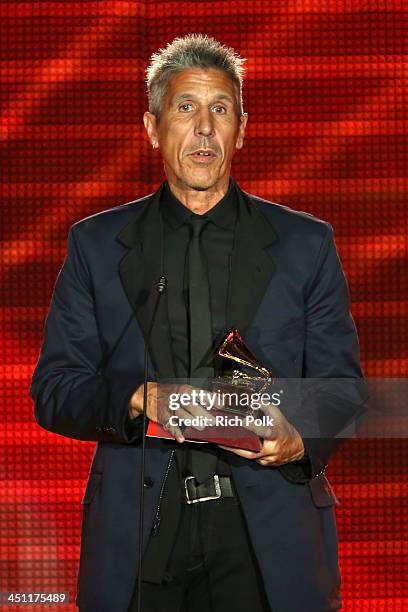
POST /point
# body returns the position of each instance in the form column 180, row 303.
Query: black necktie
column 202, row 463
column 199, row 302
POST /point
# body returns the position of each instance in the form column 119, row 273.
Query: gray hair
column 191, row 51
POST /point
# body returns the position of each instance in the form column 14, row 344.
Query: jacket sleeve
column 333, row 392
column 72, row 397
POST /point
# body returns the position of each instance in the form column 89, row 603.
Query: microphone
column 160, row 288
column 162, row 284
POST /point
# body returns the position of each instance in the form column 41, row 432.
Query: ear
column 241, row 130
column 150, row 124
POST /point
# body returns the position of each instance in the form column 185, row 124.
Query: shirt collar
column 222, row 214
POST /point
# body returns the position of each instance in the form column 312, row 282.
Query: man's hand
column 281, row 442
column 158, row 406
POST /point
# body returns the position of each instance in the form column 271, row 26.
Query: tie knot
column 197, row 224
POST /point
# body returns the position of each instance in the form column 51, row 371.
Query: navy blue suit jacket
column 289, row 299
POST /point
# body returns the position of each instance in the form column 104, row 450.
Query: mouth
column 203, row 156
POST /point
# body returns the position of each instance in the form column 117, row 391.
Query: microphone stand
column 160, row 287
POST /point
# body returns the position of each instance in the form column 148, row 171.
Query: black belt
column 214, row 488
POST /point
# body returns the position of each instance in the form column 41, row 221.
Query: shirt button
column 148, row 482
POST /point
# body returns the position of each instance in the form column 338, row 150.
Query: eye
column 220, row 110
column 185, row 107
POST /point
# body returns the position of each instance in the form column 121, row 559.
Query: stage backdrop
column 326, row 93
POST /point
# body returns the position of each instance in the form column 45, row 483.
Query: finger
column 208, row 400
column 199, row 422
column 198, row 404
column 269, row 449
column 198, row 410
column 276, row 459
column 271, row 410
column 266, row 461
column 271, row 462
column 280, row 420
column 174, row 430
column 183, row 410
column 241, row 452
column 269, row 457
column 268, row 432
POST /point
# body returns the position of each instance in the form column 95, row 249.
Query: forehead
column 200, row 82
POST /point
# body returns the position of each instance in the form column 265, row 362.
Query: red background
column 326, row 93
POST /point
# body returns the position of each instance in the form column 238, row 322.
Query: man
column 267, row 539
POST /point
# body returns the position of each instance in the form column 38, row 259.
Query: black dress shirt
column 217, row 241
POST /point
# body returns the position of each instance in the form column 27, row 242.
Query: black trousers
column 212, row 567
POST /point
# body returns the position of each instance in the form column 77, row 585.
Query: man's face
column 199, row 129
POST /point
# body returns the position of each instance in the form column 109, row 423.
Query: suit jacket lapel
column 252, row 266
column 139, row 271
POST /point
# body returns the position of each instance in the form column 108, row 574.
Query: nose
column 204, row 124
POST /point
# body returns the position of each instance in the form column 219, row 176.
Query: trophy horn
column 233, row 347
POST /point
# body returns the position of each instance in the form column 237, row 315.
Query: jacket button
column 148, row 482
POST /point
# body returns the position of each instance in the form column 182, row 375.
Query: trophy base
column 228, row 432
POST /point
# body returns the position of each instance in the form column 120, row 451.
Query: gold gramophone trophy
column 241, row 377
column 255, row 378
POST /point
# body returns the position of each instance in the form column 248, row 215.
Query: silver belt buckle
column 201, row 499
